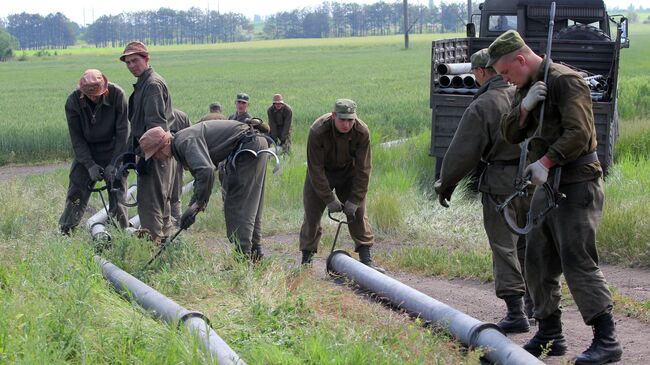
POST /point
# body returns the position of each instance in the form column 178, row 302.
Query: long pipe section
column 454, row 68
column 470, row 331
column 96, row 224
column 169, row 311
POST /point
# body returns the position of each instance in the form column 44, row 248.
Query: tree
column 7, row 45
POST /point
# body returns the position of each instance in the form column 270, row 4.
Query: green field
column 59, row 309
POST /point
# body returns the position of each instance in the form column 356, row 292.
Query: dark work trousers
column 243, row 193
column 78, row 196
column 175, row 197
column 154, row 190
column 508, row 249
column 311, row 230
column 565, row 242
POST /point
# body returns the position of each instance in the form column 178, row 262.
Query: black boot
column 364, row 257
column 256, row 254
column 549, row 337
column 604, row 348
column 528, row 305
column 515, row 320
column 307, row 257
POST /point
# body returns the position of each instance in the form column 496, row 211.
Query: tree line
column 194, row 26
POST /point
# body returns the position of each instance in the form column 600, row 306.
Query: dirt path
column 13, row 172
column 478, row 300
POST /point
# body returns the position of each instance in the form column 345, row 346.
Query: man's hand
column 444, row 194
column 109, row 171
column 538, row 171
column 96, row 172
column 335, row 206
column 536, row 94
column 189, row 216
column 350, row 209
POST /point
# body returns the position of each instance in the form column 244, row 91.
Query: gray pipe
column 457, row 81
column 445, row 81
column 454, row 68
column 134, row 223
column 469, row 81
column 169, row 311
column 96, row 224
column 470, row 331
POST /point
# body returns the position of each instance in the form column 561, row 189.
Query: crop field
column 56, row 308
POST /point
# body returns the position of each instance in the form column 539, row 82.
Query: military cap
column 135, row 47
column 242, row 97
column 507, row 42
column 215, row 107
column 345, row 109
column 480, row 59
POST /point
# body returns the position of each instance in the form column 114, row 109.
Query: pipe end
column 328, row 264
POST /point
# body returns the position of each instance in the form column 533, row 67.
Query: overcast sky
column 88, row 10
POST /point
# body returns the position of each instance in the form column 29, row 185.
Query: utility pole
column 406, row 24
column 469, row 11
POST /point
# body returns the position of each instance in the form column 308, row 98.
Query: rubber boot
column 515, row 320
column 307, row 257
column 528, row 305
column 549, row 338
column 364, row 257
column 605, row 347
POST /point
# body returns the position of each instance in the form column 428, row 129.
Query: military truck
column 582, row 38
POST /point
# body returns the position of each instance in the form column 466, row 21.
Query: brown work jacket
column 337, row 156
column 150, row 105
column 280, row 121
column 101, row 132
column 200, row 147
column 479, row 137
column 181, row 121
column 568, row 126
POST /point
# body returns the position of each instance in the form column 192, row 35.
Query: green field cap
column 480, row 59
column 507, row 42
column 345, row 109
column 242, row 97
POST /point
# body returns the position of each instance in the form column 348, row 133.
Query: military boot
column 528, row 305
column 515, row 320
column 256, row 254
column 307, row 257
column 604, row 348
column 364, row 257
column 549, row 337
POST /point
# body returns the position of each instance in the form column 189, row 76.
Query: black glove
column 335, row 206
column 444, row 194
column 142, row 166
column 189, row 216
column 350, row 209
column 96, row 172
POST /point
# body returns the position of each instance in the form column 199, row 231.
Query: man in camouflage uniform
column 280, row 115
column 339, row 159
column 199, row 148
column 478, row 137
column 150, row 106
column 214, row 114
column 565, row 241
column 99, row 129
column 241, row 103
column 181, row 121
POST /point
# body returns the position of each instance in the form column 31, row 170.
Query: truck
column 585, row 37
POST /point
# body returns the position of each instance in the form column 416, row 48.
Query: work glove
column 189, row 216
column 536, row 94
column 335, row 206
column 109, row 171
column 96, row 172
column 350, row 209
column 444, row 194
column 538, row 173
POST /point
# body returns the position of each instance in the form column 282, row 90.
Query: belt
column 583, row 160
column 513, row 162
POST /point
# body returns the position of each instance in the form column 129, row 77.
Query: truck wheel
column 582, row 32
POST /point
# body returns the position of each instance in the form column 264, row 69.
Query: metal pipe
column 96, row 224
column 470, row 331
column 134, row 223
column 454, row 68
column 169, row 311
column 445, row 81
column 469, row 81
column 457, row 81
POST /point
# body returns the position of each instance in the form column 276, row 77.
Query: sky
column 85, row 11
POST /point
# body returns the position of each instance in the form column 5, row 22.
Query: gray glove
column 335, row 206
column 444, row 195
column 109, row 171
column 536, row 94
column 538, row 173
column 96, row 172
column 350, row 209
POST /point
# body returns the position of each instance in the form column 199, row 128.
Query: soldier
column 565, row 240
column 199, row 148
column 338, row 158
column 478, row 137
column 214, row 114
column 181, row 121
column 150, row 106
column 99, row 129
column 280, row 115
column 241, row 103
